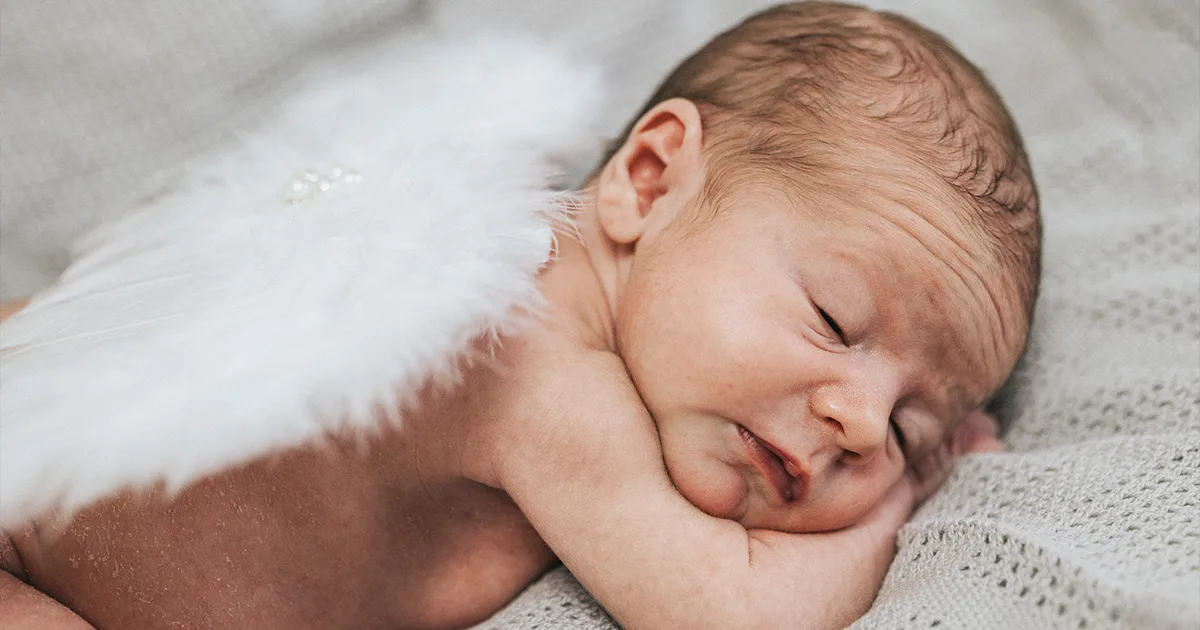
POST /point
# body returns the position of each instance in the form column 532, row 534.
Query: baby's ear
column 654, row 172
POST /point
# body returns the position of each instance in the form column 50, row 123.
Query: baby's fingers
column 977, row 434
column 876, row 532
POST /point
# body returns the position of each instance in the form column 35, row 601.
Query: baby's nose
column 858, row 423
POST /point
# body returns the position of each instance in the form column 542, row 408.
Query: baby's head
column 822, row 253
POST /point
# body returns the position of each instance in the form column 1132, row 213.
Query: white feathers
column 241, row 313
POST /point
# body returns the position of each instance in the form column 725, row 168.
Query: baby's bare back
column 343, row 535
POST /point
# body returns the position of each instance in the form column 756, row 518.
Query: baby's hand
column 848, row 565
column 977, row 434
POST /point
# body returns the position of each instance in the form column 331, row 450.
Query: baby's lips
column 791, row 468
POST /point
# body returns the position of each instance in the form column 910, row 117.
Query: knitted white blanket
column 1091, row 520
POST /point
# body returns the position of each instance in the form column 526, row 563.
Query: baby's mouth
column 770, row 463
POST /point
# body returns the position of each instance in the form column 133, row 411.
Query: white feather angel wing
column 340, row 257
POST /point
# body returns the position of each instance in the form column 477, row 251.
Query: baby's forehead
column 876, row 197
column 917, row 259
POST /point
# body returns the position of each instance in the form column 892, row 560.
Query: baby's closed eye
column 900, row 441
column 832, row 324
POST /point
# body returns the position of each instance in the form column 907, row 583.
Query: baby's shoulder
column 577, row 392
column 554, row 362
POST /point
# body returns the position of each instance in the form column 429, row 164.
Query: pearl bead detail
column 311, row 183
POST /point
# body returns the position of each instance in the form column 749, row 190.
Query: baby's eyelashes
column 832, row 325
column 900, row 441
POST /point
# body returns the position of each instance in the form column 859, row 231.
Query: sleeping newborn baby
column 810, row 261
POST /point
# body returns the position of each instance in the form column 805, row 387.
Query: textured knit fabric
column 1091, row 520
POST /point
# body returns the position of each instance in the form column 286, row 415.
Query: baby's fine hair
column 795, row 89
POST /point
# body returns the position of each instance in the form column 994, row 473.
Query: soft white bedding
column 1093, row 517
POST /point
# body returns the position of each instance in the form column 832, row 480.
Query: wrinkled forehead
column 934, row 273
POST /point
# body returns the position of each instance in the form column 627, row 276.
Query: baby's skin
column 721, row 420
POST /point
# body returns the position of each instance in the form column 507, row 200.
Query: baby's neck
column 581, row 283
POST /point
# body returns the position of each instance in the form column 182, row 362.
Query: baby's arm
column 22, row 606
column 609, row 511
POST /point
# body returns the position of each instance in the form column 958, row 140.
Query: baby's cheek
column 714, row 488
